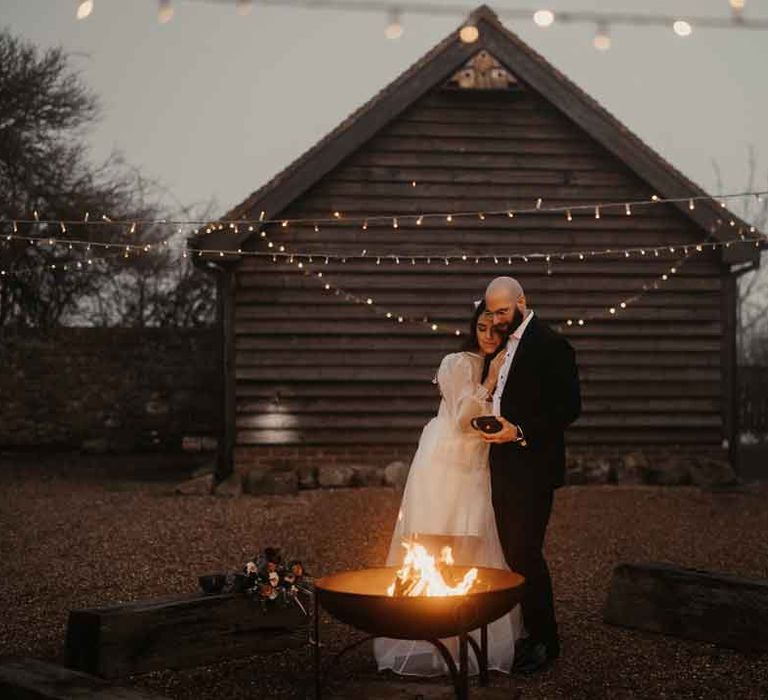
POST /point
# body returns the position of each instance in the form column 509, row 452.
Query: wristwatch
column 520, row 437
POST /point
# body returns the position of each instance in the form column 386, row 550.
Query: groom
column 536, row 398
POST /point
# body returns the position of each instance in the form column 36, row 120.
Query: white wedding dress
column 447, row 500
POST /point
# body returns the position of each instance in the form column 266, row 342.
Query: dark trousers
column 522, row 514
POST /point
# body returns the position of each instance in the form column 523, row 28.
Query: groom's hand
column 508, row 433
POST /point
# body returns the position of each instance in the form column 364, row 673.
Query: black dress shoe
column 533, row 657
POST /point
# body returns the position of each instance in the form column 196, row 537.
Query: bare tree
column 752, row 303
column 45, row 113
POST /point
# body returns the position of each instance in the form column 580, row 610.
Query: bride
column 447, row 498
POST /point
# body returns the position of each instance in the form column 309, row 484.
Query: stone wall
column 109, row 389
column 124, row 389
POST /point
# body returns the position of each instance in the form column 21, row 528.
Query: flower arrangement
column 273, row 581
column 268, row 578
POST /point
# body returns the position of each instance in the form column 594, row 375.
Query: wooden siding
column 312, row 368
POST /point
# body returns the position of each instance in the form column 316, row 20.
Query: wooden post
column 225, row 304
column 730, row 386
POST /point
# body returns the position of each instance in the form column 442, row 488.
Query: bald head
column 505, row 301
column 507, row 286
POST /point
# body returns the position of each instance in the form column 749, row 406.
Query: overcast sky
column 213, row 104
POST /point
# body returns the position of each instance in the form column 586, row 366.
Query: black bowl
column 212, row 583
column 359, row 598
column 241, row 583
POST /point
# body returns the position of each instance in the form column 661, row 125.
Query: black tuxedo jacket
column 542, row 396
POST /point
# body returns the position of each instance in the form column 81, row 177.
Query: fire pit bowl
column 359, row 598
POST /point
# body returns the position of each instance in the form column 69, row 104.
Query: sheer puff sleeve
column 465, row 397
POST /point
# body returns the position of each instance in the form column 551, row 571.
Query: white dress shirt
column 512, row 343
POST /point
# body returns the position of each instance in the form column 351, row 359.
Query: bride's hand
column 494, row 369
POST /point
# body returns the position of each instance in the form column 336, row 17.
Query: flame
column 420, row 575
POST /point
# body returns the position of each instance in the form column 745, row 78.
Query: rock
column 671, row 471
column 631, row 468
column 95, row 446
column 191, row 443
column 307, row 476
column 272, row 481
column 209, row 444
column 597, row 470
column 196, row 486
column 156, row 406
column 205, row 468
column 231, row 487
column 336, row 475
column 575, row 476
column 396, row 474
column 712, row 473
column 368, row 475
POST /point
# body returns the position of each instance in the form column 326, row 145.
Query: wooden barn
column 314, row 373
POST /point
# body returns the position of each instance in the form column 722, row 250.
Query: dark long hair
column 470, row 344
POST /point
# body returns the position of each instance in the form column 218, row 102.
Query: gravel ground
column 81, row 534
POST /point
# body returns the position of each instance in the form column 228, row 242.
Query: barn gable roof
column 436, row 67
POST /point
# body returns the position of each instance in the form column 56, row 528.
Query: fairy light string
column 403, row 217
column 302, row 259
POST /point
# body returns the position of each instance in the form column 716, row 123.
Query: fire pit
column 363, row 599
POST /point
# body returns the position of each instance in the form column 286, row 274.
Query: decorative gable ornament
column 483, row 72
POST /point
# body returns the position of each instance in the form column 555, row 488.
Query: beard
column 509, row 327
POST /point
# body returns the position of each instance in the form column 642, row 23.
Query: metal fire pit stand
column 459, row 676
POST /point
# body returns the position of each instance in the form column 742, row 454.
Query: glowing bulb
column 544, row 18
column 165, row 12
column 244, row 7
column 394, row 29
column 602, row 41
column 469, row 34
column 682, row 28
column 84, row 8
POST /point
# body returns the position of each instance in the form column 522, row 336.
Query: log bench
column 177, row 632
column 32, row 679
column 720, row 608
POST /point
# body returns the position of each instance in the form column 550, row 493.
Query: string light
column 469, row 34
column 601, row 40
column 244, row 7
column 84, row 9
column 544, row 18
column 404, row 215
column 682, row 28
column 164, row 11
column 394, row 28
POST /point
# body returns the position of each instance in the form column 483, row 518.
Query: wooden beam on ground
column 178, row 632
column 31, row 679
column 720, row 608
